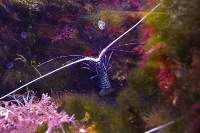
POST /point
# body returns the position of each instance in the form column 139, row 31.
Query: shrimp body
column 101, row 69
column 104, row 82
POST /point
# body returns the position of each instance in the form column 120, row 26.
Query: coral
column 166, row 79
column 24, row 114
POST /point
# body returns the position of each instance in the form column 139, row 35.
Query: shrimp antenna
column 160, row 127
column 84, row 58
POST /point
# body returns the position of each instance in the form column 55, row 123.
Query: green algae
column 103, row 117
column 112, row 16
column 142, row 92
column 175, row 24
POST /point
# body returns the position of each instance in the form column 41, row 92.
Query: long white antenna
column 106, row 48
column 160, row 127
column 77, row 61
column 83, row 59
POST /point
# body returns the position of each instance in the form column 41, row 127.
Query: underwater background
column 153, row 70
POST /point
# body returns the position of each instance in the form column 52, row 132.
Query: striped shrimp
column 100, row 66
column 101, row 69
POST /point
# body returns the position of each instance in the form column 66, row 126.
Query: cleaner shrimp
column 97, row 60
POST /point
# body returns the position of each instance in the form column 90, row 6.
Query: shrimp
column 82, row 59
column 101, row 68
